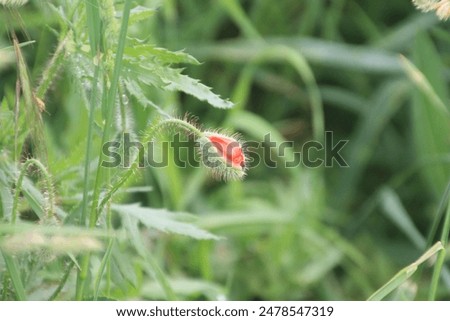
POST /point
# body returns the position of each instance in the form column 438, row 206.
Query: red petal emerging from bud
column 229, row 148
column 222, row 155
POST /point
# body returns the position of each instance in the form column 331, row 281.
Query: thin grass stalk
column 439, row 214
column 239, row 16
column 109, row 104
column 441, row 256
column 90, row 135
column 102, row 268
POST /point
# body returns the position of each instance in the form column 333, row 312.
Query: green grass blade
column 317, row 52
column 152, row 267
column 109, row 107
column 385, row 103
column 13, row 270
column 102, row 268
column 394, row 209
column 301, row 66
column 424, row 86
column 236, row 13
column 441, row 257
column 405, row 32
column 93, row 25
column 430, row 116
column 404, row 274
column 439, row 213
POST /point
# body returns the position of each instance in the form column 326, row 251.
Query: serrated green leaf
column 145, row 74
column 163, row 220
column 171, row 79
column 179, row 82
column 137, row 92
column 131, row 226
column 124, row 266
column 138, row 13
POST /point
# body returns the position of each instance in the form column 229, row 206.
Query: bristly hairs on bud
column 222, row 154
column 166, row 125
column 442, row 7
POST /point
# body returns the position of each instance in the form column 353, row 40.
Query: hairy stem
column 49, row 186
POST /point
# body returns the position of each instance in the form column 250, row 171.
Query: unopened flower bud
column 223, row 155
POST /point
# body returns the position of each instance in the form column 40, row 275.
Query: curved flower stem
column 19, row 183
column 172, row 122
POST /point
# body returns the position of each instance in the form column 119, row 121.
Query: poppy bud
column 223, row 155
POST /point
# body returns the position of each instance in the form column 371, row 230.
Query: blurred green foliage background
column 285, row 233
